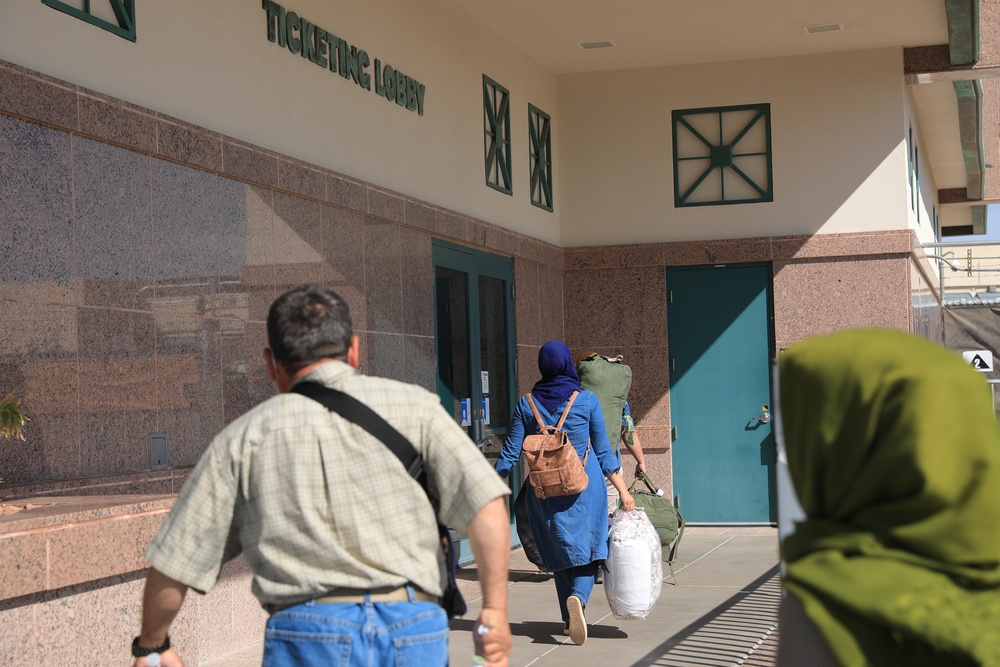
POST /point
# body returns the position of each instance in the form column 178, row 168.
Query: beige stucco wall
column 617, row 162
column 211, row 64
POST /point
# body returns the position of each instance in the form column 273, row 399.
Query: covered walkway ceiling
column 960, row 141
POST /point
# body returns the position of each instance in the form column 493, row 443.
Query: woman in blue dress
column 571, row 532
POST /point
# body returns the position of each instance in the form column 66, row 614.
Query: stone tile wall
column 140, row 256
column 77, row 595
column 615, row 303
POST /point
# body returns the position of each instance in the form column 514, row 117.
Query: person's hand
column 628, row 502
column 496, row 643
column 640, row 467
column 169, row 658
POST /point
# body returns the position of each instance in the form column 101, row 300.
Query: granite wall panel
column 421, row 367
column 386, row 356
column 185, row 143
column 36, row 228
column 117, row 122
column 245, row 382
column 416, row 282
column 620, row 306
column 185, row 233
column 552, row 307
column 34, row 97
column 114, row 231
column 38, row 362
column 17, row 648
column 526, row 302
column 815, row 297
column 344, row 253
column 383, row 276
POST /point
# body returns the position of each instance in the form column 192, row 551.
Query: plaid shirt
column 316, row 503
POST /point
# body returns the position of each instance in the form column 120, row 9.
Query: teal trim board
column 720, row 343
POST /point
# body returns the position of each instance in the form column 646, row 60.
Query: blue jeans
column 400, row 634
column 578, row 581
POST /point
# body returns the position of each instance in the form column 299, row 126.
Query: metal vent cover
column 606, row 44
column 823, row 27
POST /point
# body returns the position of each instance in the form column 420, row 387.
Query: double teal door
column 474, row 346
column 720, row 333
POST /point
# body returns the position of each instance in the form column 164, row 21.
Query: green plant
column 12, row 417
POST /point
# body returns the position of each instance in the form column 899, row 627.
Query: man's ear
column 271, row 363
column 354, row 352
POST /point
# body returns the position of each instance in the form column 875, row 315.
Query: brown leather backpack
column 555, row 469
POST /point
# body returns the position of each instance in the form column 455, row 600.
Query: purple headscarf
column 559, row 378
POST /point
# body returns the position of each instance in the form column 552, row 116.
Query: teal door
column 720, row 344
column 474, row 338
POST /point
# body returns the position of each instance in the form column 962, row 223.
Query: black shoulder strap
column 358, row 413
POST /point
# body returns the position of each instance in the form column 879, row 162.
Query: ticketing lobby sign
column 323, row 48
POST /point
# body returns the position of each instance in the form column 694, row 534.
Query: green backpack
column 667, row 521
column 610, row 379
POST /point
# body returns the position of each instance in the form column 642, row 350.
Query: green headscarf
column 894, row 452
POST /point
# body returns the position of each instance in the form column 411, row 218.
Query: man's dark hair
column 307, row 324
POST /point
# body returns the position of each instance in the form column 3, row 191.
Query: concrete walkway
column 722, row 612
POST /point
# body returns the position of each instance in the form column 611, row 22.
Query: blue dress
column 568, row 530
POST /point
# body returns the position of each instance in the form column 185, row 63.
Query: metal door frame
column 475, row 263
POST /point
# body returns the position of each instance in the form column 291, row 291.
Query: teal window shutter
column 722, row 155
column 540, row 157
column 496, row 117
column 123, row 12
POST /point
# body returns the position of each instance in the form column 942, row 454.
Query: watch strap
column 143, row 651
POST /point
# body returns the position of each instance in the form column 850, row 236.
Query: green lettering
column 334, row 43
column 343, row 58
column 292, row 23
column 282, row 26
column 363, row 63
column 421, row 89
column 389, row 75
column 272, row 20
column 308, row 40
column 320, row 47
column 379, row 85
column 400, row 89
column 411, row 94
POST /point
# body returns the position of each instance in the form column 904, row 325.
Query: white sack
column 634, row 566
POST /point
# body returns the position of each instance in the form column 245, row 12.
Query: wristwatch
column 143, row 651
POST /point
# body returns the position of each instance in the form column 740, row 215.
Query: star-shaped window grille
column 722, row 155
column 117, row 16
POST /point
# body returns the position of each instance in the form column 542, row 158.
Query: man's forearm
column 160, row 603
column 489, row 533
column 635, row 449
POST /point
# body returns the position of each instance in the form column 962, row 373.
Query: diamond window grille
column 496, row 119
column 540, row 157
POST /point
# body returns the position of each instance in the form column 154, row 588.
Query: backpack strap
column 538, row 417
column 569, row 404
column 542, row 425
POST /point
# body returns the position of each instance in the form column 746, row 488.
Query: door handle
column 764, row 417
column 479, row 434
